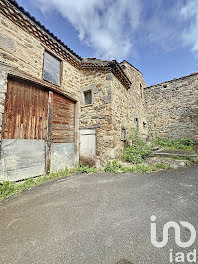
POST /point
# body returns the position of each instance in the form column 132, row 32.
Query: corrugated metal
column 26, row 109
column 63, row 120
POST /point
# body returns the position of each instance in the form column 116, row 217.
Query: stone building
column 172, row 108
column 115, row 109
column 56, row 107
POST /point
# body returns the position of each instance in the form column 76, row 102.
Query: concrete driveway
column 98, row 218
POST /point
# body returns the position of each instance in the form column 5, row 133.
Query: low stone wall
column 172, row 108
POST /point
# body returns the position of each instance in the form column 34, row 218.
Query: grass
column 116, row 167
column 8, row 189
column 195, row 161
column 184, row 144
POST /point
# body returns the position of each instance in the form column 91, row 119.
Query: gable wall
column 22, row 54
column 173, row 110
column 23, row 51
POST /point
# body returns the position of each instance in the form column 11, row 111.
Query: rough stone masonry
column 172, row 107
column 120, row 98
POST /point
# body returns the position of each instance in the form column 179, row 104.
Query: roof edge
column 131, row 66
column 33, row 19
column 18, row 15
column 173, row 80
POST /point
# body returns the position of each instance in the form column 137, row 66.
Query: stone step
column 170, row 154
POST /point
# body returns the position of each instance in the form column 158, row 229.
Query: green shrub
column 114, row 166
column 195, row 161
column 138, row 151
column 128, row 169
column 160, row 166
column 86, row 169
column 176, row 144
column 136, row 154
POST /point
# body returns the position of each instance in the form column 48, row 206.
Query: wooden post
column 49, row 132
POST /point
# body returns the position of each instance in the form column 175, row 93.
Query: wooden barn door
column 26, row 109
column 63, row 150
column 24, row 130
column 38, row 131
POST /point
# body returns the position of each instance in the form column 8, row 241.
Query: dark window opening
column 52, row 67
column 144, row 124
column 141, row 91
column 123, row 134
column 165, row 85
column 88, row 97
column 136, row 123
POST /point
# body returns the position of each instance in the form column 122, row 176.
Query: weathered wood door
column 24, row 130
column 26, row 109
column 63, row 150
column 38, row 131
column 88, row 146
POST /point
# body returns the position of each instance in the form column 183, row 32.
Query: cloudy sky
column 159, row 37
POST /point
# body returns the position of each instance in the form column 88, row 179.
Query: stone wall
column 25, row 53
column 136, row 98
column 98, row 115
column 172, row 108
column 22, row 54
column 113, row 105
column 127, row 105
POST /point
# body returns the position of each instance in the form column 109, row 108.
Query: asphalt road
column 98, row 218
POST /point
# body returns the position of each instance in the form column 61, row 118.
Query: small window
column 136, row 123
column 144, row 124
column 165, row 85
column 88, row 97
column 52, row 67
column 141, row 91
column 123, row 134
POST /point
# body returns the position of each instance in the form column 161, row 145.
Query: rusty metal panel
column 22, row 159
column 63, row 120
column 26, row 110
